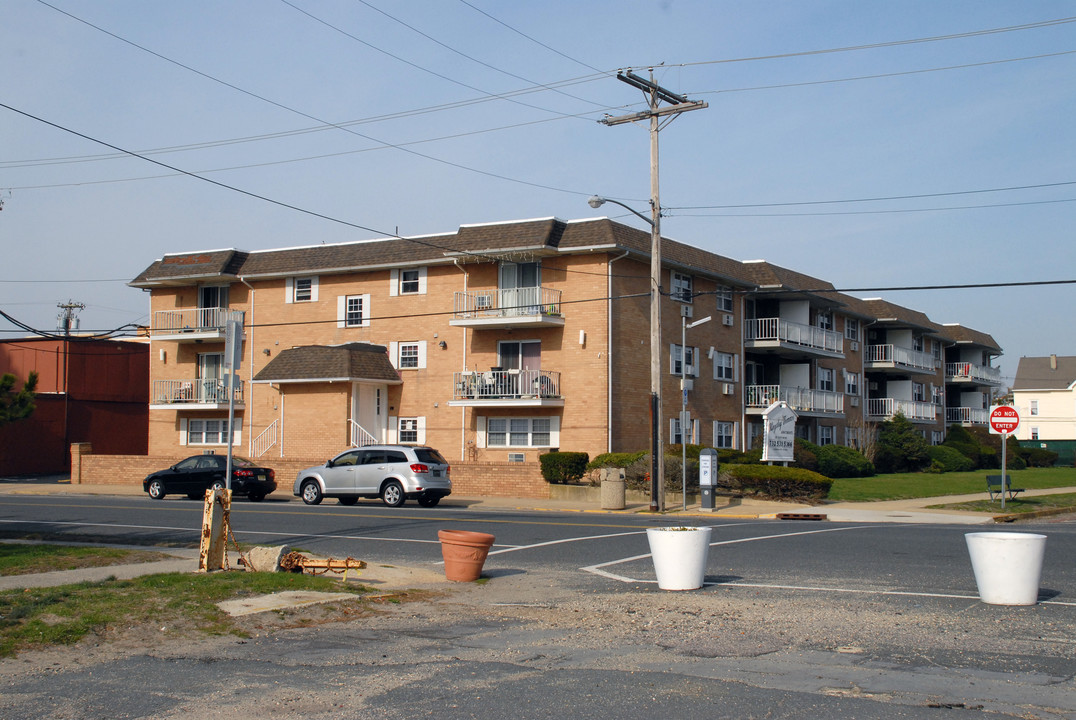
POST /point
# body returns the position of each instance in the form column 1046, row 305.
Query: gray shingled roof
column 1036, row 373
column 967, row 336
column 319, row 363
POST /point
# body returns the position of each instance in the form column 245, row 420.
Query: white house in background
column 1044, row 394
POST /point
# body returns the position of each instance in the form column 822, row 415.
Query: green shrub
column 616, row 460
column 838, row 461
column 944, row 458
column 958, row 438
column 637, row 474
column 728, row 456
column 1037, row 457
column 805, row 455
column 562, row 467
column 774, row 482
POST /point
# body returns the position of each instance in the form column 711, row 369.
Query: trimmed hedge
column 615, row 460
column 838, row 461
column 1037, row 457
column 774, row 482
column 945, row 459
column 563, row 467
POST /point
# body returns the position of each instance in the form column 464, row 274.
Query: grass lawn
column 183, row 602
column 916, row 485
column 1017, row 505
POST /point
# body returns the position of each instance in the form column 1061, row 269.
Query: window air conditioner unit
column 855, row 401
column 729, row 389
column 687, row 311
column 855, row 346
column 727, row 320
column 516, row 457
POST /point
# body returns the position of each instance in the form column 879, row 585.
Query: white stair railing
column 360, row 437
column 265, row 441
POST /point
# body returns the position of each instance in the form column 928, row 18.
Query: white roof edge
column 511, row 222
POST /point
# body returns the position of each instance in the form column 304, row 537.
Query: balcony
column 899, row 359
column 193, row 324
column 972, row 374
column 790, row 338
column 881, row 409
column 198, row 394
column 506, row 388
column 966, row 416
column 803, row 400
column 508, row 308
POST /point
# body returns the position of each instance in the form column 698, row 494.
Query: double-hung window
column 409, row 281
column 301, row 289
column 724, row 366
column 408, row 432
column 679, row 354
column 851, row 383
column 1034, row 407
column 825, row 434
column 353, row 311
column 519, row 432
column 919, row 392
column 207, row 431
column 851, row 329
column 825, row 379
column 724, row 434
column 825, row 320
column 408, row 355
column 681, row 287
column 724, row 299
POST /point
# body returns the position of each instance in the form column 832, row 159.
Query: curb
column 1012, row 517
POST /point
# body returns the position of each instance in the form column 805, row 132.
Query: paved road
column 865, row 620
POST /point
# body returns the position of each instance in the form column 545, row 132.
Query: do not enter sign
column 1004, row 420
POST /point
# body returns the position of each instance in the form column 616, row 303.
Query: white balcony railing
column 970, row 372
column 798, row 398
column 887, row 409
column 898, row 356
column 193, row 392
column 784, row 331
column 506, row 303
column 506, row 385
column 966, row 416
column 193, row 320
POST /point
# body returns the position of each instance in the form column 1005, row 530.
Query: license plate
column 437, row 473
column 261, row 478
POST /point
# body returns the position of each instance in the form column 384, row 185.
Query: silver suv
column 390, row 472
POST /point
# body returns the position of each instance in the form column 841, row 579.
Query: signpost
column 1003, row 421
column 779, row 433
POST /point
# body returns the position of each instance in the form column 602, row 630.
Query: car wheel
column 429, row 500
column 311, row 492
column 217, row 485
column 256, row 497
column 349, row 499
column 393, row 494
column 156, row 489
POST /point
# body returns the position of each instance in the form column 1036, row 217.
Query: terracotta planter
column 464, row 553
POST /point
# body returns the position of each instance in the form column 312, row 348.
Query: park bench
column 993, row 486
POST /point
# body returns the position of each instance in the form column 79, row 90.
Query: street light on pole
column 684, row 325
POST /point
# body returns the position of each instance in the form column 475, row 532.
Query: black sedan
column 193, row 476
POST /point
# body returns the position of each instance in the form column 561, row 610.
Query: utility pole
column 677, row 104
column 66, row 319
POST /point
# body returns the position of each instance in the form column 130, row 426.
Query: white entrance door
column 369, row 412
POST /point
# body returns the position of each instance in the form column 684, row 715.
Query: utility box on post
column 708, row 467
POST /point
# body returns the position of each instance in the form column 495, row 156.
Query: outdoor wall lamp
column 442, row 344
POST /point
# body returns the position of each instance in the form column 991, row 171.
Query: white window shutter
column 313, row 289
column 554, row 432
column 422, row 281
column 394, row 354
column 673, row 422
column 697, row 359
column 421, row 430
column 289, row 290
column 735, row 368
column 481, row 431
column 422, row 354
column 341, row 311
column 183, row 431
column 394, row 282
column 672, row 358
column 394, row 429
column 695, row 439
column 366, row 310
column 237, row 433
column 736, row 435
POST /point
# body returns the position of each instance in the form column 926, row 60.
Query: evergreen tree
column 16, row 405
column 901, row 447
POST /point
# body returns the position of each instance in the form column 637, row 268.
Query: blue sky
column 455, row 112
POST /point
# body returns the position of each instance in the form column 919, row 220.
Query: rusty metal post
column 218, row 506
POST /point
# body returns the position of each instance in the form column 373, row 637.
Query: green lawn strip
column 1017, row 505
column 24, row 559
column 899, row 486
column 64, row 615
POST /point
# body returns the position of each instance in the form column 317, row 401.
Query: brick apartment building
column 498, row 342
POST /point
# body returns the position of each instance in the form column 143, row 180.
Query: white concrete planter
column 1007, row 566
column 679, row 555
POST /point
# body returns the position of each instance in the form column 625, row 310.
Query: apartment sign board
column 779, row 433
column 1004, row 420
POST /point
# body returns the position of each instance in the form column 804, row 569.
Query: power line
column 874, row 212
